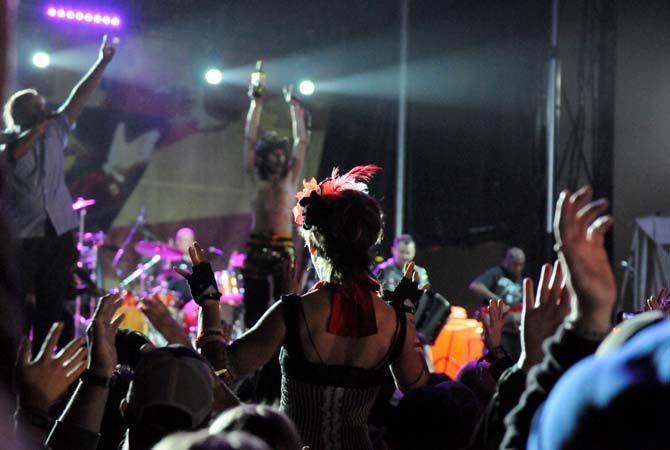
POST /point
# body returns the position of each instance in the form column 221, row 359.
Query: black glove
column 201, row 280
column 406, row 290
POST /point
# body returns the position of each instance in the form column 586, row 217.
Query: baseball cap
column 173, row 376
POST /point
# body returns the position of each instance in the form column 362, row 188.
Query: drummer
column 184, row 238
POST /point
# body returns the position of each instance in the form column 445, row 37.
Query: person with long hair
column 336, row 341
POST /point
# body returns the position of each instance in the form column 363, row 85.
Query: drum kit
column 153, row 276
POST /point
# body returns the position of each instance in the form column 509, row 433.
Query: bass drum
column 134, row 318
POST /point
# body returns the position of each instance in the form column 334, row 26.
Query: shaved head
column 515, row 261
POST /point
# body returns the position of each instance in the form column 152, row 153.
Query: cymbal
column 152, row 248
column 82, row 203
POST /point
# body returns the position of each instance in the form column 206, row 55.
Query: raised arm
column 83, row 415
column 579, row 229
column 252, row 126
column 251, row 350
column 85, row 88
column 300, row 132
column 409, row 368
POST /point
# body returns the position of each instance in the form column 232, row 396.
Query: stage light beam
column 41, row 60
column 213, row 76
column 306, row 87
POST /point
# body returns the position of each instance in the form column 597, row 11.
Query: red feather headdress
column 356, row 179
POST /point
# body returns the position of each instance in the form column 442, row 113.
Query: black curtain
column 475, row 168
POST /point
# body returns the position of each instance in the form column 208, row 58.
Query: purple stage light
column 98, row 18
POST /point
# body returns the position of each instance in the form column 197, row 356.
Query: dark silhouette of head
column 341, row 224
column 24, row 109
column 273, row 427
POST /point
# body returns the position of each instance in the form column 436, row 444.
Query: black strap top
column 296, row 366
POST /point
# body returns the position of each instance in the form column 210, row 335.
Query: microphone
column 214, row 250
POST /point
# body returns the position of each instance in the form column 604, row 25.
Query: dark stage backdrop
column 475, row 154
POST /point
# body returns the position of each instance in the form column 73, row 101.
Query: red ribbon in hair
column 352, row 312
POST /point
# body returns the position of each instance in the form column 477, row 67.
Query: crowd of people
column 351, row 372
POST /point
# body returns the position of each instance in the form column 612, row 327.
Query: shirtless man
column 274, row 171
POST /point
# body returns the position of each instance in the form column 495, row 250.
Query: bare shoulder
column 383, row 309
column 316, row 296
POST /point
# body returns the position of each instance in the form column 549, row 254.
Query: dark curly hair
column 267, row 144
column 343, row 229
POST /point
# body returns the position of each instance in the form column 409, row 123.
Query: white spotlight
column 41, row 60
column 306, row 87
column 214, row 76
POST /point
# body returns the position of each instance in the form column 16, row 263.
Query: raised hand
column 494, row 327
column 579, row 230
column 542, row 313
column 42, row 380
column 406, row 290
column 201, row 281
column 659, row 302
column 160, row 317
column 107, row 50
column 101, row 334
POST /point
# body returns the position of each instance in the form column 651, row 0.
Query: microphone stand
column 131, row 234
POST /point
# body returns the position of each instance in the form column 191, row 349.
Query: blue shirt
column 37, row 190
